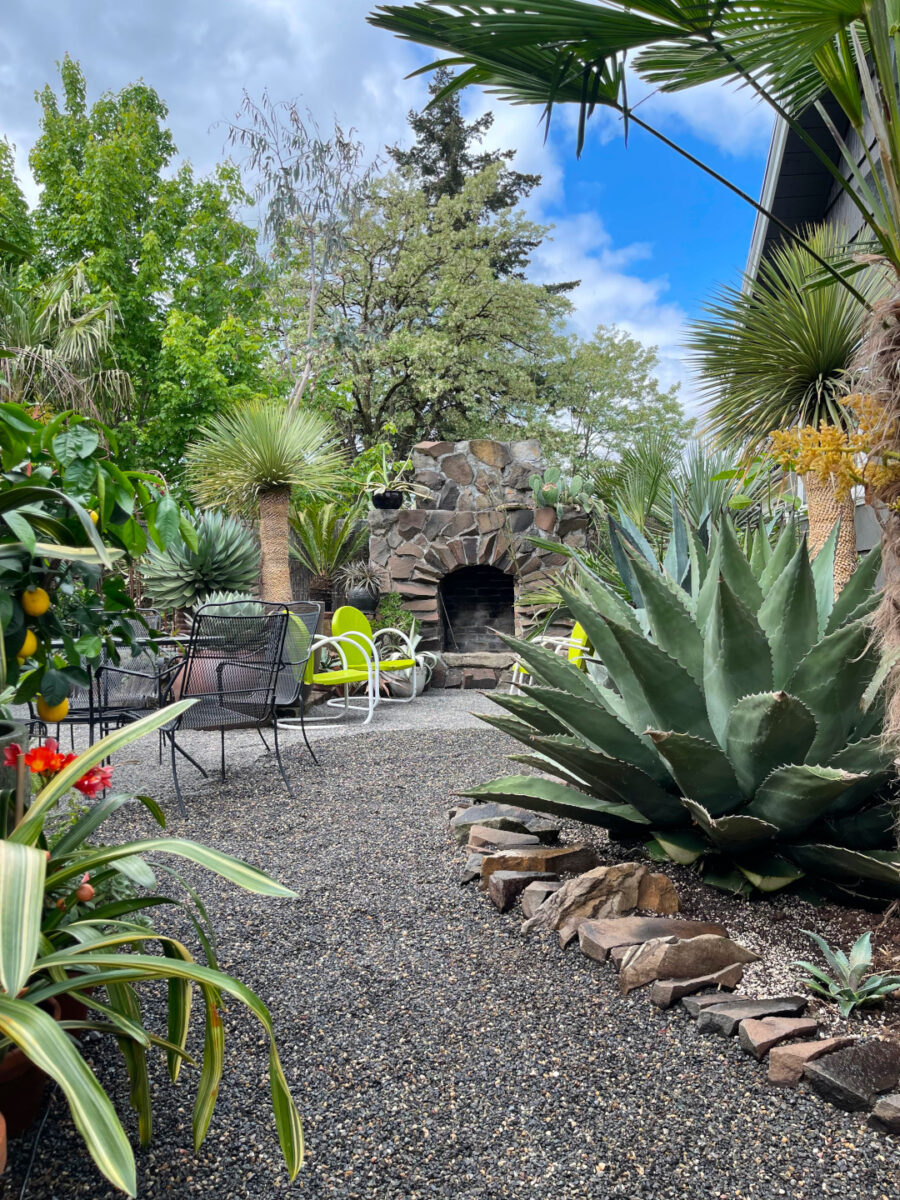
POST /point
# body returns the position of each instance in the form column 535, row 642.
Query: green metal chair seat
column 338, row 678
column 395, row 664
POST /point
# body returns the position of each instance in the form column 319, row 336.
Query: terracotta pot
column 2, row 1144
column 22, row 1085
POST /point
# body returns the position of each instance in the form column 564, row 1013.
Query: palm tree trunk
column 824, row 513
column 274, row 540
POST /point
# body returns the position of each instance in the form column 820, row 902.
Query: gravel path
column 433, row 1051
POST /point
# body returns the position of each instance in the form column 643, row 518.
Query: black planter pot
column 363, row 599
column 387, row 499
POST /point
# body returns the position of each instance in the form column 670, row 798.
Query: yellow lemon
column 29, row 646
column 35, row 601
column 52, row 712
column 94, row 515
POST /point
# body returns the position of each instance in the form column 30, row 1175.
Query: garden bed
column 435, row 1051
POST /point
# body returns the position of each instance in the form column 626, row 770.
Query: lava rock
column 542, row 859
column 536, row 893
column 504, row 887
column 597, row 937
column 885, row 1116
column 853, row 1078
column 725, row 1019
column 601, row 892
column 666, row 992
column 786, row 1063
column 758, row 1037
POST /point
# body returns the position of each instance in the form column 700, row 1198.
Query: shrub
column 740, row 728
column 226, row 560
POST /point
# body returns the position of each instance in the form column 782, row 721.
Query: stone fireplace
column 462, row 561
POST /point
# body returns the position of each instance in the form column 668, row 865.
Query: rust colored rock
column 758, row 1037
column 656, row 892
column 666, row 992
column 597, row 937
column 482, row 838
column 410, row 550
column 885, row 1115
column 535, row 895
column 504, row 887
column 433, row 449
column 545, row 519
column 724, row 1019
column 675, row 958
column 458, row 468
column 786, row 1063
column 494, row 454
column 555, row 859
column 602, row 892
column 852, row 1079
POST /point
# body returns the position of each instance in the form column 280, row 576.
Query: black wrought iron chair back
column 302, row 625
column 231, row 669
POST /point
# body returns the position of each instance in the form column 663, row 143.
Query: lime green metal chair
column 364, row 652
column 575, row 646
column 351, row 673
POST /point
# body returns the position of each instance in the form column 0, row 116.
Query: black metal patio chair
column 302, row 626
column 231, row 668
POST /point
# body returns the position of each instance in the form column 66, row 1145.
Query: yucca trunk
column 274, row 541
column 824, row 512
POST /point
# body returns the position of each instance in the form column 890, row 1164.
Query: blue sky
column 646, row 232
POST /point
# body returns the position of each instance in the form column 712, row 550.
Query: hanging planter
column 387, row 499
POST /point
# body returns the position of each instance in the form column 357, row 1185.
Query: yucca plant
column 226, row 560
column 741, row 725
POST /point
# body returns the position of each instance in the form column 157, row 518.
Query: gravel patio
column 434, row 1051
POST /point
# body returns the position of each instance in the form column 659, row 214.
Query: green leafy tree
column 426, row 338
column 603, row 396
column 169, row 250
column 16, row 232
column 445, row 154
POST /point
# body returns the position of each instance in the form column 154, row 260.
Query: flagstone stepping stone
column 504, row 887
column 481, row 837
column 501, row 816
column 885, row 1116
column 725, row 1019
column 680, row 958
column 536, row 893
column 758, row 1037
column 598, row 893
column 695, row 1005
column 786, row 1063
column 597, row 938
column 666, row 992
column 853, row 1078
column 542, row 859
column 656, row 893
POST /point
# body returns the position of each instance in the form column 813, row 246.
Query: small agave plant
column 853, row 984
column 739, row 722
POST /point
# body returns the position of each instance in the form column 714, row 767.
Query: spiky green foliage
column 226, row 560
column 262, row 447
column 740, row 725
column 327, row 536
column 854, row 983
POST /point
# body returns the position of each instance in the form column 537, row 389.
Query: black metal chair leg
column 171, row 738
column 222, row 750
column 278, row 759
column 263, row 740
column 184, row 754
column 312, row 752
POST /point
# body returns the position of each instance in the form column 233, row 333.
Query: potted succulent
column 362, row 583
column 62, row 937
column 387, row 485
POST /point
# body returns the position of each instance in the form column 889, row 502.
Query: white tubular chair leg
column 413, row 669
column 344, row 704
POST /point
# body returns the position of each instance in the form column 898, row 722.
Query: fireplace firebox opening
column 475, row 601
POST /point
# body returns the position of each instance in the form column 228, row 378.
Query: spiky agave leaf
column 740, row 721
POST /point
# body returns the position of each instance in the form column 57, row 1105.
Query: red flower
column 46, row 759
column 95, row 781
column 11, row 754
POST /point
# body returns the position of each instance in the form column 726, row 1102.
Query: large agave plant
column 226, row 560
column 739, row 726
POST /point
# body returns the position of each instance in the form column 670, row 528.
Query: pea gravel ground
column 432, row 1050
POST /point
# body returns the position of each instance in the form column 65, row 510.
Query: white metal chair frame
column 344, row 702
column 373, row 642
column 559, row 644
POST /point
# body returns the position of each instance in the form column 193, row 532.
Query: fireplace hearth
column 463, row 561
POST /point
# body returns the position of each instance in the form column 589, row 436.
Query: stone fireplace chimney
column 462, row 561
